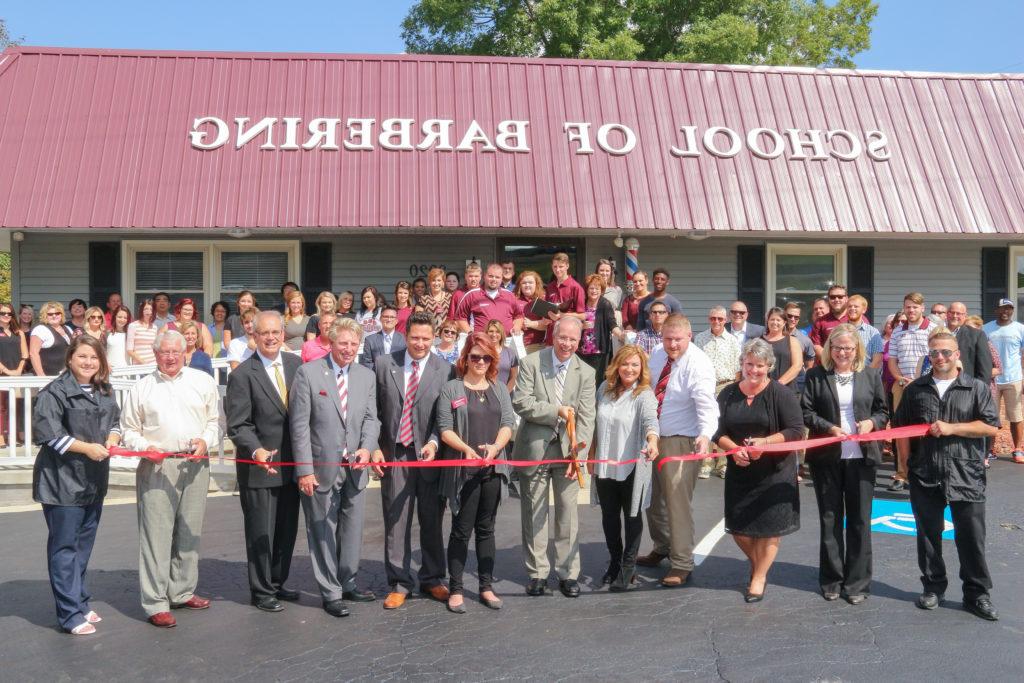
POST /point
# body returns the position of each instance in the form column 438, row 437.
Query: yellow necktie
column 281, row 388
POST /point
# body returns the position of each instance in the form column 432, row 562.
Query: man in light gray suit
column 551, row 383
column 332, row 408
column 408, row 384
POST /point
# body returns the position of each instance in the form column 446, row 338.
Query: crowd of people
column 500, row 367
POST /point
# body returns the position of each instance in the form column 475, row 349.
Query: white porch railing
column 25, row 388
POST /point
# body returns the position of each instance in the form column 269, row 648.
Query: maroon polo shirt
column 567, row 292
column 456, row 299
column 477, row 306
column 828, row 322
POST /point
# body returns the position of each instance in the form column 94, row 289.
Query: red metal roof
column 100, row 139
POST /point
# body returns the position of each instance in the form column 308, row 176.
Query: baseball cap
column 1005, row 302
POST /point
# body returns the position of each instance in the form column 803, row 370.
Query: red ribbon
column 785, row 447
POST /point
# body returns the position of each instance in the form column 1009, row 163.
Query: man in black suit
column 257, row 415
column 408, row 384
column 975, row 355
column 385, row 342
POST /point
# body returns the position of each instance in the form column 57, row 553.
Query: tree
column 5, row 37
column 772, row 32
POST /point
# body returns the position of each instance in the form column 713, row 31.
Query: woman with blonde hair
column 437, row 299
column 627, row 428
column 325, row 302
column 49, row 340
column 195, row 357
column 95, row 325
column 296, row 322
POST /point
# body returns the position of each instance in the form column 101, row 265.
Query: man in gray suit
column 332, row 408
column 408, row 384
column 387, row 341
column 551, row 383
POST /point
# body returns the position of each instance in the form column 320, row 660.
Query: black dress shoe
column 537, row 587
column 357, row 595
column 287, row 594
column 569, row 587
column 267, row 604
column 610, row 575
column 856, row 599
column 928, row 600
column 755, row 597
column 336, row 608
column 982, row 607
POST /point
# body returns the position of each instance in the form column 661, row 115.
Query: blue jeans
column 68, row 547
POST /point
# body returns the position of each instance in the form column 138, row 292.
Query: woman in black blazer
column 843, row 396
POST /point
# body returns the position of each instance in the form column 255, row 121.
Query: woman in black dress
column 475, row 420
column 762, row 502
column 13, row 358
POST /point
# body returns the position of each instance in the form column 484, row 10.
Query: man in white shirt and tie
column 684, row 384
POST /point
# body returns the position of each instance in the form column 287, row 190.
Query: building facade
column 202, row 174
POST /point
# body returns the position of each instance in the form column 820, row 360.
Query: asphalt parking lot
column 703, row 631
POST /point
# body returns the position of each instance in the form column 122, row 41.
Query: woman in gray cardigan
column 475, row 419
column 627, row 428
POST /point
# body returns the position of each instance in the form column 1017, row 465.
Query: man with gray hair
column 172, row 410
column 552, row 384
column 724, row 352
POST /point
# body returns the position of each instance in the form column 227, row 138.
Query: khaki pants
column 670, row 516
column 171, row 505
column 536, row 483
column 718, row 461
column 902, row 455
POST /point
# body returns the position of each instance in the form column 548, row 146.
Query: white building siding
column 49, row 267
column 942, row 270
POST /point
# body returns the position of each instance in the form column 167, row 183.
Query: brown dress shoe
column 438, row 592
column 195, row 602
column 163, row 620
column 675, row 578
column 651, row 559
column 394, row 600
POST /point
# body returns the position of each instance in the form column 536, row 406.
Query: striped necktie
column 343, row 397
column 662, row 386
column 560, row 382
column 405, row 424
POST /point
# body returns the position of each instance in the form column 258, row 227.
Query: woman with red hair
column 475, row 419
column 184, row 310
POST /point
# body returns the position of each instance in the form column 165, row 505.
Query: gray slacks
column 536, row 482
column 171, row 504
column 334, row 530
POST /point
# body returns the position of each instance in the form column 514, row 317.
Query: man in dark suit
column 257, row 415
column 408, row 384
column 739, row 327
column 975, row 355
column 332, row 409
column 385, row 342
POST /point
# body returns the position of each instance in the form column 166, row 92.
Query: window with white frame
column 208, row 271
column 803, row 273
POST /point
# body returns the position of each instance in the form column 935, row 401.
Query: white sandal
column 93, row 618
column 83, row 629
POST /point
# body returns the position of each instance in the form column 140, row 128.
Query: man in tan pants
column 684, row 384
column 551, row 383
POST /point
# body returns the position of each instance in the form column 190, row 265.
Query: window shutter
column 750, row 280
column 995, row 268
column 316, row 271
column 860, row 274
column 104, row 271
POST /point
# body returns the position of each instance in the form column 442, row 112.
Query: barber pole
column 632, row 260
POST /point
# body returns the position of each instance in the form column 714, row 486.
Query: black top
column 484, row 418
column 53, row 358
column 783, row 357
column 10, row 349
column 955, row 464
column 62, row 409
column 762, row 499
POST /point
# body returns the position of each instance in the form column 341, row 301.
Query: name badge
column 459, row 402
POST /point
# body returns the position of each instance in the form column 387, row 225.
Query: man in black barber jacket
column 407, row 409
column 975, row 355
column 257, row 415
column 947, row 466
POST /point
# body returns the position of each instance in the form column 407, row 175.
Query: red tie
column 662, row 386
column 405, row 424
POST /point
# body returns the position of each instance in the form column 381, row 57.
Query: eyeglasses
column 945, row 353
column 448, row 332
column 790, row 316
column 844, row 349
column 95, row 317
column 713, row 318
column 477, row 358
column 737, row 312
column 6, row 313
column 169, row 353
column 663, row 313
column 53, row 314
column 836, row 296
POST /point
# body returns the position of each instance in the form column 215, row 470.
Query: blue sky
column 920, row 35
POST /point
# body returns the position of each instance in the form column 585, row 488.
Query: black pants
column 271, row 520
column 969, row 535
column 844, row 489
column 403, row 490
column 68, row 548
column 615, row 497
column 478, row 506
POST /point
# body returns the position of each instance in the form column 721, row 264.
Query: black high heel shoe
column 755, row 597
column 611, row 574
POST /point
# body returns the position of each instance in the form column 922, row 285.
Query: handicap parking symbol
column 896, row 517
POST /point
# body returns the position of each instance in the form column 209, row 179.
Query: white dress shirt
column 268, row 366
column 850, row 450
column 690, row 407
column 167, row 412
column 386, row 337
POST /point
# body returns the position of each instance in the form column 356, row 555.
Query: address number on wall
column 421, row 269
